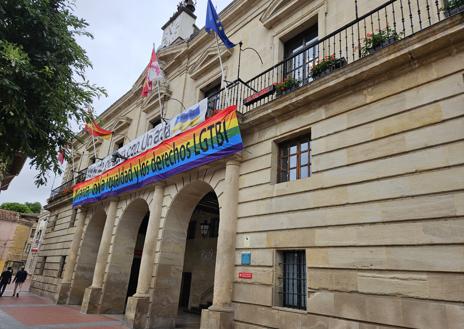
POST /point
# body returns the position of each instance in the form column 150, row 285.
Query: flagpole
column 220, row 59
column 160, row 103
column 159, row 92
column 53, row 183
column 73, row 171
column 93, row 137
column 94, row 148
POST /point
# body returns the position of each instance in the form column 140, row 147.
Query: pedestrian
column 5, row 279
column 19, row 279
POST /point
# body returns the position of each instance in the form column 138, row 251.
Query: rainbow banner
column 215, row 138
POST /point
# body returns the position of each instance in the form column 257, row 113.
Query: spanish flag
column 94, row 129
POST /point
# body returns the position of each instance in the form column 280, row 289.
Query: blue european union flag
column 213, row 23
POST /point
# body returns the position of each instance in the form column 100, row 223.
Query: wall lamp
column 204, row 229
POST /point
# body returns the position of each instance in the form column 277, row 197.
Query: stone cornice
column 279, row 10
column 208, row 60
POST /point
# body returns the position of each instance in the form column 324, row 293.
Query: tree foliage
column 25, row 208
column 42, row 80
column 35, row 207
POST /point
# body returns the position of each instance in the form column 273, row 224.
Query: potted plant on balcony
column 288, row 84
column 379, row 40
column 453, row 7
column 326, row 66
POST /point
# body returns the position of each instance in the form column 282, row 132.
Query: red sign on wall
column 245, row 275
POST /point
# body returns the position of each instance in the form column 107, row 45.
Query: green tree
column 15, row 206
column 35, row 207
column 42, row 80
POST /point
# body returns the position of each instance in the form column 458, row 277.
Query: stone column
column 137, row 305
column 65, row 285
column 92, row 294
column 220, row 314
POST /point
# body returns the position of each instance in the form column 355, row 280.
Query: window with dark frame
column 118, row 144
column 42, row 265
column 53, row 224
column 61, row 268
column 298, row 67
column 294, row 279
column 213, row 97
column 153, row 123
column 72, row 221
column 294, row 159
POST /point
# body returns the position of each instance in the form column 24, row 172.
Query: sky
column 124, row 33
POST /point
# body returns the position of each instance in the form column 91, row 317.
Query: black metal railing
column 67, row 187
column 381, row 27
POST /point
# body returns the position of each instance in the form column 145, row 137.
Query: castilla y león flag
column 154, row 73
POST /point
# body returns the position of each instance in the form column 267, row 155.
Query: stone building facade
column 16, row 230
column 343, row 210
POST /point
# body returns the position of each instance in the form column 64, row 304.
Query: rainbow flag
column 215, row 138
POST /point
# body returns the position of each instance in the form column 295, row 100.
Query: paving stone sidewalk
column 33, row 312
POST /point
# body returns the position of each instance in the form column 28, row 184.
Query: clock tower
column 181, row 25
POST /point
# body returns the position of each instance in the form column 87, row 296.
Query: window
column 32, row 233
column 118, row 144
column 191, row 230
column 298, row 67
column 295, row 159
column 292, row 279
column 72, row 222
column 61, row 268
column 211, row 93
column 153, row 123
column 39, row 234
column 53, row 223
column 92, row 160
column 42, row 265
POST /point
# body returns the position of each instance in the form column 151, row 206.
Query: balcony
column 67, row 187
column 391, row 22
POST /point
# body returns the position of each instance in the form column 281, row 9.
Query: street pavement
column 30, row 311
column 33, row 312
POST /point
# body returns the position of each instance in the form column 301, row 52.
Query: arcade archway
column 124, row 261
column 87, row 256
column 185, row 272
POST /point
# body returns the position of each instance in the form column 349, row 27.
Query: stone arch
column 121, row 257
column 165, row 297
column 87, row 258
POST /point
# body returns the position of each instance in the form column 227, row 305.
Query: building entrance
column 138, row 250
column 87, row 256
column 124, row 260
column 197, row 286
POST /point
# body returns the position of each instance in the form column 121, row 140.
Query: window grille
column 72, row 221
column 61, row 268
column 294, row 279
column 42, row 266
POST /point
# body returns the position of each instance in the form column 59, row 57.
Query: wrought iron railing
column 381, row 27
column 67, row 187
